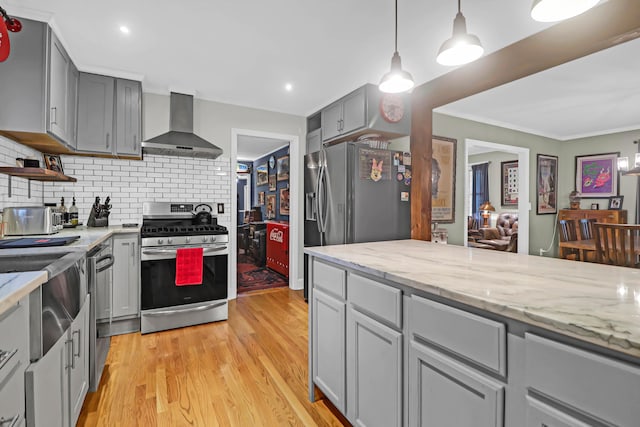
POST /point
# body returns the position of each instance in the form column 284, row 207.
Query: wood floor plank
column 250, row 370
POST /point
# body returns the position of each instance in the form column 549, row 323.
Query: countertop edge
column 533, row 318
column 18, row 287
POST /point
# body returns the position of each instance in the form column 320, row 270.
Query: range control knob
column 188, row 239
column 160, row 241
column 169, row 240
column 204, row 239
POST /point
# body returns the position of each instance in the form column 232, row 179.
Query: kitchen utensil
column 202, row 216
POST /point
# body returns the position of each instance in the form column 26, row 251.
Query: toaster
column 25, row 220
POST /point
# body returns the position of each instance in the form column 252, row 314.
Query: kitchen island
column 532, row 340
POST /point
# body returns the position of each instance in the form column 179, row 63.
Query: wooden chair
column 567, row 233
column 586, row 228
column 617, row 244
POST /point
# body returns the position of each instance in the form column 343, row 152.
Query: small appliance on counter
column 99, row 215
column 28, row 220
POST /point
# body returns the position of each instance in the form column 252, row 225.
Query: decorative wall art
column 271, row 206
column 443, row 173
column 262, row 174
column 261, row 198
column 53, row 162
column 546, row 184
column 283, row 168
column 284, row 201
column 509, row 183
column 597, row 175
column 375, row 165
column 272, row 182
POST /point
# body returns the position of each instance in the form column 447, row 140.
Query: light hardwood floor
column 248, row 371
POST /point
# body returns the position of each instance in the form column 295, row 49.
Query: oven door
column 159, row 288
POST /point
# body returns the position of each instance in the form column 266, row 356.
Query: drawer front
column 603, row 387
column 12, row 397
column 542, row 415
column 472, row 337
column 329, row 278
column 379, row 301
column 14, row 336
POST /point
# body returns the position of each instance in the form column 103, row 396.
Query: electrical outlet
column 220, row 208
column 542, row 251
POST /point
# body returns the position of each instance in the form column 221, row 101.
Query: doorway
column 267, row 201
column 473, row 147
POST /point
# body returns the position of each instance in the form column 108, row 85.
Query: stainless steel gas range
column 167, row 228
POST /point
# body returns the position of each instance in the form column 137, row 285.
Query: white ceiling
column 594, row 95
column 251, row 148
column 244, row 52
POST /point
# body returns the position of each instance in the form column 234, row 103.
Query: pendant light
column 396, row 80
column 557, row 10
column 462, row 47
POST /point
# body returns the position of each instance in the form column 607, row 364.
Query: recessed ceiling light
column 124, row 29
column 288, row 87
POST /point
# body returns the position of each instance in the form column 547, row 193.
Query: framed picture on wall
column 283, row 168
column 272, row 182
column 597, row 175
column 615, row 202
column 509, row 185
column 546, row 184
column 284, row 201
column 261, row 198
column 262, row 175
column 53, row 162
column 271, row 206
column 443, row 179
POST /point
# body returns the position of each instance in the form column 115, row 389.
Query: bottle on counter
column 73, row 213
column 63, row 210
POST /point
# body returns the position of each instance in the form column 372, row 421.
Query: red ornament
column 4, row 41
column 14, row 25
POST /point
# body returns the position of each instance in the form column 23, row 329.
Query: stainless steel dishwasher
column 100, row 263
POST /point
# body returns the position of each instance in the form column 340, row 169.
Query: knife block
column 98, row 221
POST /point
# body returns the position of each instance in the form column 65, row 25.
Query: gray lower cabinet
column 126, row 275
column 14, row 340
column 445, row 393
column 128, row 124
column 58, row 383
column 374, row 372
column 95, row 113
column 540, row 414
column 329, row 353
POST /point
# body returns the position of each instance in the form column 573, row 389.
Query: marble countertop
column 89, row 239
column 595, row 303
column 14, row 286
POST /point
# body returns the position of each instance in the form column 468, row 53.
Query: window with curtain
column 479, row 188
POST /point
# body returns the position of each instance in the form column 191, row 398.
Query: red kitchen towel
column 189, row 266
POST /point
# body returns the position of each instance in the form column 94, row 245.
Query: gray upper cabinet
column 72, row 110
column 126, row 275
column 95, row 113
column 128, row 103
column 358, row 113
column 59, row 97
column 38, row 78
column 314, row 141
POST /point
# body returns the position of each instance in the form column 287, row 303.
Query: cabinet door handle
column 72, row 364
column 73, row 343
column 108, row 139
column 54, row 115
column 13, row 422
column 135, row 142
column 133, row 254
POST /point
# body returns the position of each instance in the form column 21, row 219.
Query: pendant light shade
column 396, row 80
column 557, row 10
column 462, row 47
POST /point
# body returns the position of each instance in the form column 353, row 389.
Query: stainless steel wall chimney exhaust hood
column 180, row 140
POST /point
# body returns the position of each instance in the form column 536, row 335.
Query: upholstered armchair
column 507, row 225
column 504, row 236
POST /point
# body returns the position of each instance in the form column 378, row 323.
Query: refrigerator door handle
column 317, row 197
column 322, row 197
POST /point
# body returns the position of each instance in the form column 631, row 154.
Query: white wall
column 9, row 152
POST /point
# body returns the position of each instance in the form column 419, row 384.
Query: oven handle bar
column 173, row 251
column 185, row 310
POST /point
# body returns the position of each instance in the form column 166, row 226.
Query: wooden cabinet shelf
column 36, row 174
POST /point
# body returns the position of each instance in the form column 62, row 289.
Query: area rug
column 252, row 278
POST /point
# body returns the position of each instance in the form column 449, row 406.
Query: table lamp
column 486, row 208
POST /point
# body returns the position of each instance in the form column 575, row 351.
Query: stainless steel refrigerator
column 356, row 194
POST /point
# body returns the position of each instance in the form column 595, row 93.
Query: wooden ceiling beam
column 609, row 24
